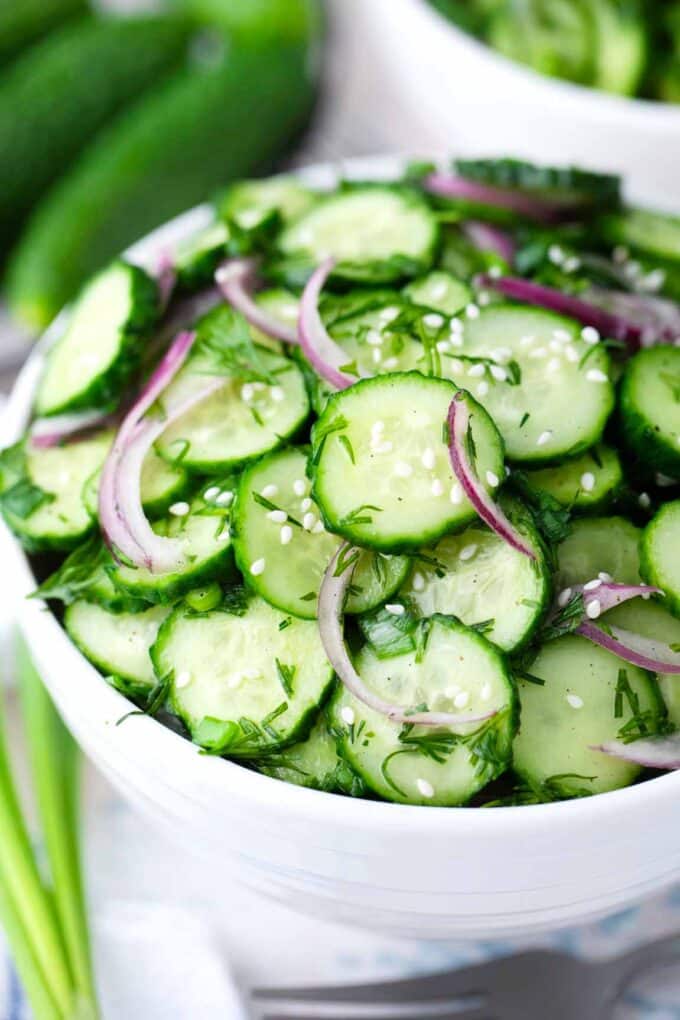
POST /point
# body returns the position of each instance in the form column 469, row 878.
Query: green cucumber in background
column 23, row 21
column 221, row 120
column 62, row 90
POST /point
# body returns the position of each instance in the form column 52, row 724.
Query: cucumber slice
column 651, row 620
column 282, row 548
column 422, row 765
column 42, row 500
column 24, row 21
column 103, row 342
column 650, row 408
column 245, row 682
column 203, row 526
column 249, row 203
column 587, row 483
column 622, row 47
column 240, row 421
column 281, row 304
column 659, row 553
column 117, row 643
column 314, row 763
column 528, row 374
column 566, row 185
column 644, row 230
column 196, row 258
column 83, row 575
column 578, row 707
column 381, row 471
column 441, row 291
column 596, row 545
column 162, row 484
column 378, row 233
column 480, row 579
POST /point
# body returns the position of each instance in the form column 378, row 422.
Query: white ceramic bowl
column 412, row 871
column 449, row 91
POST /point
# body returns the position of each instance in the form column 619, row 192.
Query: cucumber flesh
column 584, row 484
column 441, row 291
column 653, row 233
column 659, row 553
column 249, row 203
column 314, row 763
column 162, row 484
column 596, row 545
column 652, row 620
column 282, row 305
column 650, row 408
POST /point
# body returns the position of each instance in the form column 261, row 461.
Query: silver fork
column 530, row 986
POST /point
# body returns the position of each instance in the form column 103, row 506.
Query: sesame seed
column 299, row 487
column 180, row 509
column 425, row 789
column 538, row 352
column 308, row 521
column 575, row 701
column 347, row 715
column 277, row 394
column 564, row 597
column 269, row 491
column 588, row 481
column 439, row 290
column 183, row 679
column 544, row 437
column 286, row 534
column 395, row 608
column 467, row 552
column 526, row 341
column 211, row 493
column 593, row 609
column 247, row 392
column 377, row 427
column 663, row 481
column 492, row 479
column 443, row 346
column 555, row 346
column 456, row 326
column 482, row 389
column 561, row 335
column 402, row 469
column 571, row 353
column 592, row 585
column 224, row 535
column 554, row 365
column 605, row 577
column 461, row 700
column 456, row 340
column 418, row 581
column 225, row 498
column 572, row 264
column 456, row 494
column 388, row 314
column 374, row 338
column 437, row 488
column 494, row 272
column 597, row 375
column 590, row 335
column 376, row 355
column 390, row 363
column 655, row 280
column 306, row 504
column 278, row 516
column 483, row 298
column 485, row 692
column 472, row 311
column 476, row 370
column 498, row 373
column 289, row 311
column 644, row 500
column 556, row 254
column 434, row 320
column 428, row 458
column 257, row 567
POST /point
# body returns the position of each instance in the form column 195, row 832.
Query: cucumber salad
column 376, row 490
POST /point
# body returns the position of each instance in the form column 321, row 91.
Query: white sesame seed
column 592, row 585
column 439, row 290
column 395, row 608
column 224, row 535
column 183, row 679
column 456, row 340
column 385, row 447
column 485, row 692
column 572, row 264
column 472, row 311
column 299, row 487
column 374, row 338
column 554, row 365
column 597, row 375
column 390, row 363
column 428, row 458
column 456, row 326
column 270, row 491
column 498, row 373
column 347, row 715
column 225, row 498
column 180, row 509
column 461, row 700
column 277, row 394
column 425, row 789
column 278, row 516
column 443, row 346
column 377, row 427
column 495, row 272
column 211, row 493
column 590, row 335
column 564, row 597
column 437, row 488
column 308, row 521
column 376, row 355
column 388, row 314
column 286, row 534
column 418, row 581
column 544, row 437
column 257, row 567
column 402, row 469
column 306, row 504
column 467, row 552
column 434, row 320
column 456, row 494
column 247, row 392
column 605, row 577
column 483, row 298
column 655, row 280
column 587, row 481
column 571, row 353
column 593, row 609
column 482, row 389
column 492, row 479
column 527, row 341
column 644, row 500
column 556, row 254
column 561, row 335
column 288, row 311
column 476, row 370
column 538, row 352
column 664, row 481
column 556, row 346
column 575, row 701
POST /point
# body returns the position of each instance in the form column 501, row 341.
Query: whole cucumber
column 23, row 21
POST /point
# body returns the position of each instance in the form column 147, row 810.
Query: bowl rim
column 229, row 777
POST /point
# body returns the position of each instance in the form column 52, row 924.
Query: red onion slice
column 646, row 653
column 331, row 613
column 486, row 237
column 46, row 432
column 447, row 185
column 166, row 278
column 608, row 594
column 650, row 753
column 490, row 512
column 235, row 278
column 327, row 357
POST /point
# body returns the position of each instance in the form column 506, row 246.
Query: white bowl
column 449, row 91
column 411, row 871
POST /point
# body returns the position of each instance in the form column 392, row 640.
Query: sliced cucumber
column 83, row 575
column 479, row 578
column 566, row 185
column 650, row 408
column 314, row 763
column 597, row 545
column 422, row 765
column 196, row 259
column 162, row 484
column 240, row 421
column 584, row 484
column 283, row 549
column 103, row 342
column 281, row 304
column 660, row 553
column 525, row 366
column 245, row 682
column 378, row 233
column 117, row 643
column 651, row 620
column 644, row 230
column 381, row 470
column 248, row 203
column 576, row 709
column 203, row 527
column 441, row 291
column 42, row 499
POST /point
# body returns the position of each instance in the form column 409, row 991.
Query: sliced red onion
column 236, row 278
column 447, row 185
column 625, row 317
column 647, row 653
column 486, row 237
column 490, row 512
column 327, row 357
column 46, row 432
column 166, row 278
column 331, row 613
column 608, row 594
column 650, row 753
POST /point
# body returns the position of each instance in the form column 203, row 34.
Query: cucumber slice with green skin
column 644, row 230
column 162, row 484
column 576, row 708
column 196, row 259
column 203, row 526
column 378, row 233
column 546, row 404
column 565, row 185
column 441, row 291
column 396, row 761
column 242, row 420
column 282, row 548
column 599, row 544
column 314, row 763
column 117, row 643
column 660, row 562
column 282, row 305
column 650, row 408
column 103, row 342
column 23, row 21
column 585, row 484
column 382, row 476
column 43, row 503
column 248, row 203
column 480, row 579
column 245, row 682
